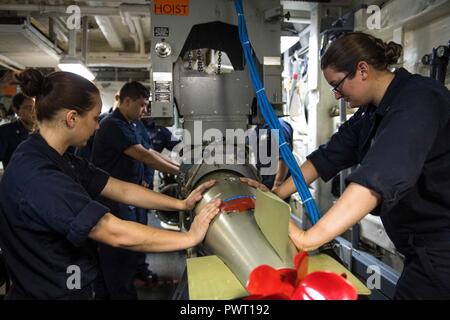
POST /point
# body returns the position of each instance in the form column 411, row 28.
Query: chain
column 219, row 62
column 190, row 55
column 199, row 61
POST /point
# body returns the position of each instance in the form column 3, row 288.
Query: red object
column 266, row 283
column 265, row 280
column 288, row 275
column 238, row 205
column 324, row 285
column 9, row 90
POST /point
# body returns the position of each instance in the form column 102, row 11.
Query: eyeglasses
column 336, row 89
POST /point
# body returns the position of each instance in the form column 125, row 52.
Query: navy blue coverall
column 402, row 147
column 115, row 135
column 11, row 135
column 46, row 214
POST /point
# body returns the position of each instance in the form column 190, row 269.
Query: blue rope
column 271, row 119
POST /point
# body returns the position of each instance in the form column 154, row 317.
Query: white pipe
column 108, row 30
column 135, row 10
column 298, row 20
column 110, row 33
column 140, row 34
column 62, row 23
column 60, row 29
column 61, row 35
column 41, row 41
column 118, row 59
column 126, row 19
column 10, row 64
column 139, row 10
column 84, row 39
column 7, row 66
column 119, row 64
column 73, row 43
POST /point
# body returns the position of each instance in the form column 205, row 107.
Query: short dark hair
column 18, row 100
column 56, row 91
column 344, row 54
column 133, row 89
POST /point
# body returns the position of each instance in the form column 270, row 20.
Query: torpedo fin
column 210, row 279
column 272, row 216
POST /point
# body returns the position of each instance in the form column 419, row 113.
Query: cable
column 271, row 119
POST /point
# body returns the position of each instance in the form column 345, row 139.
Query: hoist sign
column 171, row 7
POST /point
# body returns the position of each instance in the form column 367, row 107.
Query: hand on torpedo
column 201, row 222
column 254, row 184
column 197, row 194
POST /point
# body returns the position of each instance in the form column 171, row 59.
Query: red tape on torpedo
column 238, row 204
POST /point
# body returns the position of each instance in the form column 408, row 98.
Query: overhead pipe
column 10, row 64
column 125, row 11
column 135, row 10
column 118, row 59
column 126, row 19
column 60, row 29
column 84, row 39
column 110, row 33
column 73, row 43
column 298, row 20
column 140, row 34
column 62, row 24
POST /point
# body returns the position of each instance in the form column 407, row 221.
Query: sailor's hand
column 201, row 222
column 197, row 194
column 254, row 184
column 276, row 184
column 297, row 235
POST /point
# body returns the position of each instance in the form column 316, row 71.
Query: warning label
column 171, row 7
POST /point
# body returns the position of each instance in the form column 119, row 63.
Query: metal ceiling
column 118, row 31
column 35, row 33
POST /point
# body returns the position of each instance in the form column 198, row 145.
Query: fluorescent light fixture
column 272, row 61
column 74, row 65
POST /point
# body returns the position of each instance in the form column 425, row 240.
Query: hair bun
column 392, row 52
column 33, row 83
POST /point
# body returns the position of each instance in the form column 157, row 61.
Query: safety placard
column 171, row 7
column 160, row 31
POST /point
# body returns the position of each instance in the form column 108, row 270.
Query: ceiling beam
column 135, row 10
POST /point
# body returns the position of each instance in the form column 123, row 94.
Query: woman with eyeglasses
column 50, row 218
column 400, row 140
